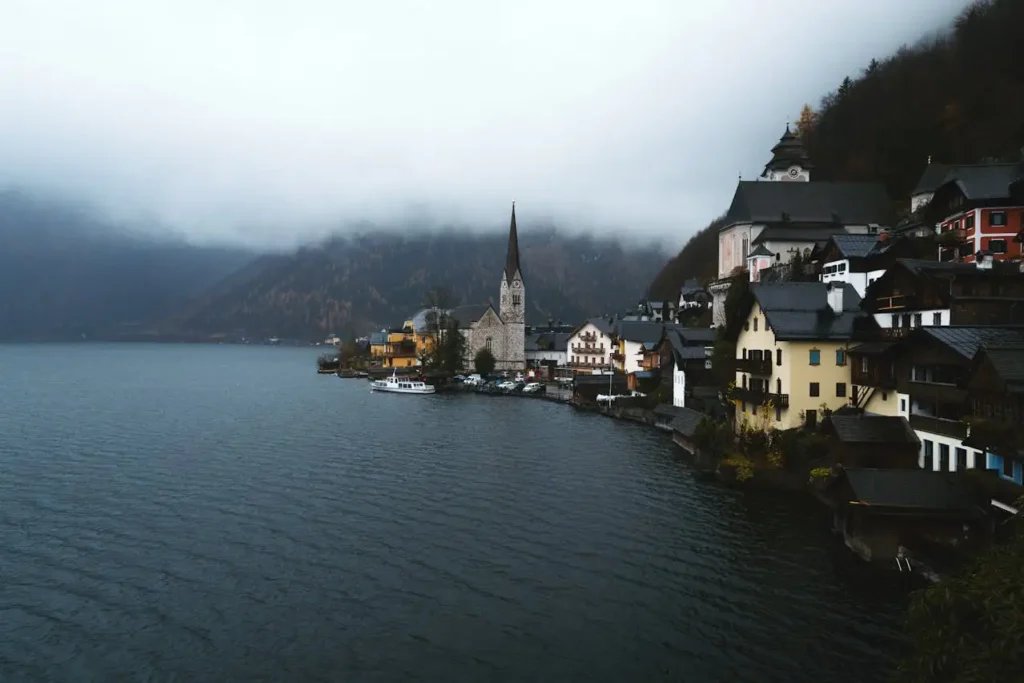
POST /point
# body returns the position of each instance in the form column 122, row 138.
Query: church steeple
column 790, row 160
column 512, row 257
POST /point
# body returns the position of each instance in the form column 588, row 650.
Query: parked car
column 533, row 388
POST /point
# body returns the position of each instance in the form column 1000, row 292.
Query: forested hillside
column 956, row 98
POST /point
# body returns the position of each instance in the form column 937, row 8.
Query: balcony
column 588, row 337
column 583, row 348
column 895, row 333
column 934, row 392
column 952, row 238
column 873, row 377
column 954, row 429
column 897, row 302
column 758, row 397
column 755, row 366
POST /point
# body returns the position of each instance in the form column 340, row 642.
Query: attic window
column 997, row 218
column 815, row 357
column 755, row 323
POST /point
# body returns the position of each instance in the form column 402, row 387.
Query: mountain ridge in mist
column 67, row 274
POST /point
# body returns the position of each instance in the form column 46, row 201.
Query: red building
column 979, row 208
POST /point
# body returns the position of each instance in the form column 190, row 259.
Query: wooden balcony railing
column 873, row 377
column 954, row 429
column 936, row 393
column 583, row 348
column 896, row 332
column 758, row 397
column 755, row 366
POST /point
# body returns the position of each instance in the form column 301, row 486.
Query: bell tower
column 513, row 302
column 790, row 161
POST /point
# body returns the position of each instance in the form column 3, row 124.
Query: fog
column 273, row 123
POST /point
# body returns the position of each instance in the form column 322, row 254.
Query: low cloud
column 275, row 123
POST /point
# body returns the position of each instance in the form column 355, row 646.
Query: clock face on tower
column 794, row 171
column 517, row 284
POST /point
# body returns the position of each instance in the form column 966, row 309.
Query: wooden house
column 996, row 391
column 882, row 512
column 874, row 441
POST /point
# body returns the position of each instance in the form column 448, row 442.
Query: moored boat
column 401, row 385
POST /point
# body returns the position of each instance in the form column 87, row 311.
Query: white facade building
column 591, row 345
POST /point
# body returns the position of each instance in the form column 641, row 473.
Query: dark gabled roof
column 465, row 316
column 799, row 232
column 931, row 178
column 547, row 341
column 872, row 348
column 686, row 421
column 980, row 182
column 920, row 489
column 512, row 256
column 697, row 335
column 922, row 267
column 603, row 325
column 1008, row 362
column 873, row 429
column 760, row 250
column 857, row 246
column 967, row 340
column 800, row 310
column 691, row 353
column 530, row 342
column 644, row 332
column 814, row 202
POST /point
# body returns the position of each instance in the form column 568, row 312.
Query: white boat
column 401, row 385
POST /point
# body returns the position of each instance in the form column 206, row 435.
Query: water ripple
column 221, row 513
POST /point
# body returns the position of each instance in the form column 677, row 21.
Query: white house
column 590, row 346
column 547, row 348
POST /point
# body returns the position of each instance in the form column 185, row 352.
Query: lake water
column 222, row 513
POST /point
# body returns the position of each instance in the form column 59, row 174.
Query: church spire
column 512, row 258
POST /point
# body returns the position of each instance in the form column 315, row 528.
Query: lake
column 223, row 513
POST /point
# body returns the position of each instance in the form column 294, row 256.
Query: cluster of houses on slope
column 914, row 352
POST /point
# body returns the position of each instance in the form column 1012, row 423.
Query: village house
column 913, row 293
column 876, row 441
column 591, row 345
column 400, row 347
column 925, row 378
column 792, row 350
column 882, row 512
column 779, row 219
column 978, row 208
column 378, row 345
column 634, row 339
column 861, row 259
column 682, row 356
column 996, row 392
column 547, row 350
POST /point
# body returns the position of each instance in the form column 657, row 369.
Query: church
column 502, row 331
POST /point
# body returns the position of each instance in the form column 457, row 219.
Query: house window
column 929, row 452
column 903, row 405
column 863, row 363
column 885, row 396
column 917, row 320
column 969, row 222
column 778, row 356
column 840, row 389
column 746, row 326
column 943, row 457
column 895, row 320
column 997, row 246
column 854, row 394
column 811, row 419
column 1007, row 468
column 488, row 343
column 980, row 460
column 997, row 218
column 814, row 389
column 961, row 459
column 936, row 319
column 746, row 245
column 755, row 323
column 815, row 357
column 840, row 357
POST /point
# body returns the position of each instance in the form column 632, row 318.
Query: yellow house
column 378, row 345
column 792, row 352
column 402, row 347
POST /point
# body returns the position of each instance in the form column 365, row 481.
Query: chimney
column 835, row 297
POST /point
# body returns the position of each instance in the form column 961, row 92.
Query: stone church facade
column 502, row 331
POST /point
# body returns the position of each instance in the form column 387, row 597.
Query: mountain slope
column 65, row 273
column 366, row 282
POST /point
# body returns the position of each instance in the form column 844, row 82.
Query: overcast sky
column 274, row 121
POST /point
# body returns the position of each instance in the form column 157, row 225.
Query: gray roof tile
column 857, row 246
column 807, row 232
column 967, row 340
column 469, row 314
column 984, row 181
column 851, row 203
column 640, row 331
column 920, row 489
column 800, row 310
column 686, row 421
column 873, row 429
column 931, row 178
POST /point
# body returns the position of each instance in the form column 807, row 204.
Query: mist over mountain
column 66, row 274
